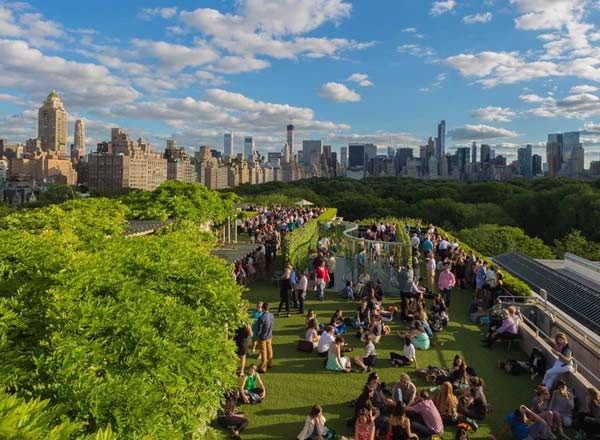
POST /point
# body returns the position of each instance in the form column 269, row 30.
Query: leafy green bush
column 575, row 243
column 296, row 245
column 178, row 200
column 123, row 332
column 495, row 240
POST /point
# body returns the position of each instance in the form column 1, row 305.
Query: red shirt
column 321, row 272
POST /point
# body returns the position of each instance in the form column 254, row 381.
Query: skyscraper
column 52, row 125
column 486, row 153
column 525, row 160
column 228, row 146
column 554, row 154
column 474, row 153
column 463, row 156
column 344, row 157
column 356, row 157
column 536, row 165
column 249, row 148
column 78, row 147
column 440, row 146
column 312, row 151
column 290, row 137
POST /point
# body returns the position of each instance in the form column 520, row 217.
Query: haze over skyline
column 503, row 72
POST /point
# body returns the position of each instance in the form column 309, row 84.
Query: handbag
column 305, row 346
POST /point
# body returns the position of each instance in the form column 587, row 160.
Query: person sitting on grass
column 524, row 424
column 326, row 340
column 310, row 317
column 418, row 336
column 337, row 320
column 252, row 388
column 399, row 425
column 508, row 330
column 447, row 404
column 314, row 426
column 364, row 428
column 404, row 391
column 312, row 333
column 473, row 403
column 385, row 315
column 367, row 362
column 408, row 357
column 335, row 360
column 229, row 418
column 430, row 422
column 376, row 328
column 347, row 292
column 362, row 320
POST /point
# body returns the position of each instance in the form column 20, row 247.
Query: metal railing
column 542, row 335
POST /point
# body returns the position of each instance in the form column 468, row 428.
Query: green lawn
column 298, row 380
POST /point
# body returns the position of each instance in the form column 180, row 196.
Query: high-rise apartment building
column 344, row 157
column 474, row 153
column 440, row 147
column 249, row 149
column 463, row 158
column 52, row 125
column 312, row 151
column 228, row 146
column 536, row 165
column 486, row 153
column 78, row 147
column 290, row 137
column 525, row 161
column 356, row 157
column 564, row 153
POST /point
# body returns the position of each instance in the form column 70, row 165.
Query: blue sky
column 504, row 72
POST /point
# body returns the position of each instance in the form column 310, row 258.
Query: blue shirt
column 519, row 430
column 264, row 326
column 428, row 246
column 293, row 278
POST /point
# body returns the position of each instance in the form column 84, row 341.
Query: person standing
column 285, row 287
column 321, row 279
column 301, row 290
column 293, row 282
column 446, row 283
column 264, row 331
column 242, row 341
column 430, row 272
column 331, row 263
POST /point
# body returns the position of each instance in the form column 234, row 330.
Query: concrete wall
column 575, row 380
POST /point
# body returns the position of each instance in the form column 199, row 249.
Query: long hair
column 445, row 400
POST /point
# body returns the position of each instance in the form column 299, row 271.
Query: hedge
column 511, row 283
column 297, row 244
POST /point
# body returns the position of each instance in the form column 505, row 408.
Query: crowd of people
column 266, row 229
column 456, row 397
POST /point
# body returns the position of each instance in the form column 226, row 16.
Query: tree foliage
column 494, row 240
column 178, row 200
column 128, row 333
column 575, row 243
column 544, row 208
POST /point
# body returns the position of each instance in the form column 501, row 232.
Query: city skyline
column 194, row 74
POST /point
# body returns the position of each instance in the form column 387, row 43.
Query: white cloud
column 26, row 69
column 274, row 28
column 442, row 6
column 493, row 114
column 30, row 26
column 579, row 106
column 501, row 67
column 531, row 98
column 166, row 13
column 362, row 79
column 338, row 93
column 176, row 56
column 585, row 88
column 238, row 64
column 480, row 132
column 478, row 18
column 413, row 31
column 416, row 50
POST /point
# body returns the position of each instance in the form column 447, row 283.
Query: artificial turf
column 298, row 380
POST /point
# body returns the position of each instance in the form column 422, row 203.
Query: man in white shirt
column 325, row 340
column 415, row 242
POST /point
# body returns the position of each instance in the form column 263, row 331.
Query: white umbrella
column 304, row 203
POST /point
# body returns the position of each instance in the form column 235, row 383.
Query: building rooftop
column 575, row 293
